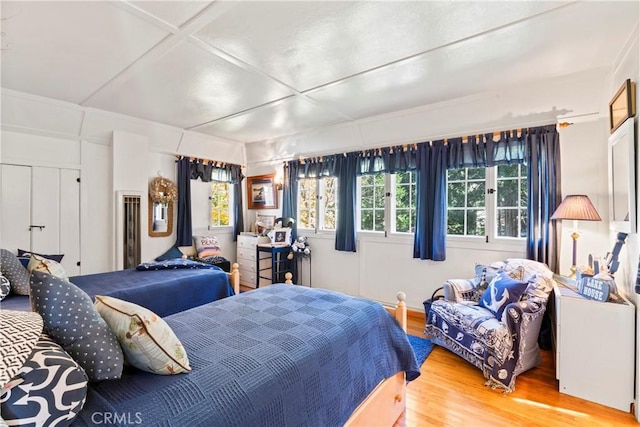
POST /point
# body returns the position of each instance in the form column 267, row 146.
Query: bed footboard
column 386, row 403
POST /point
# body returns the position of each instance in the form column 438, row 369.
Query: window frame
column 320, row 186
column 212, row 226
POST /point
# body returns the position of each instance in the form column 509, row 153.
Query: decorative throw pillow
column 502, row 291
column 12, row 269
column 491, row 270
column 172, row 253
column 49, row 389
column 206, row 246
column 531, row 267
column 73, row 322
column 23, row 253
column 5, row 287
column 19, row 333
column 24, row 260
column 49, row 266
column 147, row 341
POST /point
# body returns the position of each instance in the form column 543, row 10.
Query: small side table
column 279, row 266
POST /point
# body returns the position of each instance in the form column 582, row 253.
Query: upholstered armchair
column 494, row 329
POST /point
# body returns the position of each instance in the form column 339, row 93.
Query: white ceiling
column 251, row 71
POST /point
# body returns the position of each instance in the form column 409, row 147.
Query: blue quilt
column 281, row 355
column 163, row 291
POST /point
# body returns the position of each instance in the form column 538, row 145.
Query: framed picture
column 280, row 236
column 622, row 105
column 261, row 192
column 267, row 221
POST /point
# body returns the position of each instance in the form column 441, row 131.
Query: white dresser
column 594, row 348
column 246, row 259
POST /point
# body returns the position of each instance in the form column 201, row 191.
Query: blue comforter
column 278, row 356
column 163, row 291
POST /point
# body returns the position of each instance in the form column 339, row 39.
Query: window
column 390, row 196
column 475, row 195
column 221, row 203
column 317, row 203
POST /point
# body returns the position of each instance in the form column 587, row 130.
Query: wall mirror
column 622, row 178
column 160, row 218
column 162, row 195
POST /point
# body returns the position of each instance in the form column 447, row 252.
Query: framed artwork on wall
column 261, row 192
column 622, row 105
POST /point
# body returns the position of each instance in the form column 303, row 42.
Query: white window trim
column 318, row 230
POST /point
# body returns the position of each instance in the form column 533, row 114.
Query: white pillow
column 49, row 266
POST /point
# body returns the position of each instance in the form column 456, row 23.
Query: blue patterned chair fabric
column 502, row 348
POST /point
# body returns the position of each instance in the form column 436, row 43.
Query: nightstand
column 594, row 343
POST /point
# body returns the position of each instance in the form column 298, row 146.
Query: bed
column 280, row 355
column 163, row 289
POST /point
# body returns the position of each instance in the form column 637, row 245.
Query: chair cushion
column 502, row 291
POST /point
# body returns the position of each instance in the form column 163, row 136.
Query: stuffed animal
column 301, row 245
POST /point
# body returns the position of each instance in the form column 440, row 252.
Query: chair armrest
column 458, row 290
column 529, row 313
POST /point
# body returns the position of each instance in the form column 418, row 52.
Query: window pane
column 379, row 197
column 455, row 195
column 455, row 174
column 475, row 194
column 307, row 201
column 403, row 221
column 366, row 198
column 219, row 204
column 328, row 205
column 508, row 193
column 330, row 219
column 378, row 179
column 508, row 222
column 379, row 219
column 523, row 222
column 475, row 222
column 475, row 173
column 506, row 171
column 455, row 222
column 402, row 196
column 366, row 221
column 366, row 180
column 403, row 177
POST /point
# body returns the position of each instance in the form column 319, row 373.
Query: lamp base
column 572, row 275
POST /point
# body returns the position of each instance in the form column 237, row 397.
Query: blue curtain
column 290, row 194
column 236, row 176
column 543, row 177
column 387, row 159
column 429, row 240
column 184, row 203
column 346, row 171
column 483, row 151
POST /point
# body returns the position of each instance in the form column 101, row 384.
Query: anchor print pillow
column 502, row 291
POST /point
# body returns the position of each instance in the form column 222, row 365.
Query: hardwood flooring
column 451, row 392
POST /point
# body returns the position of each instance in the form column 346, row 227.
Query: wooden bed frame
column 234, row 277
column 387, row 402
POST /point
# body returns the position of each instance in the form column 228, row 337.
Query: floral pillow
column 49, row 266
column 148, row 343
column 502, row 291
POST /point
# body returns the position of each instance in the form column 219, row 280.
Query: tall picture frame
column 261, row 192
column 623, row 105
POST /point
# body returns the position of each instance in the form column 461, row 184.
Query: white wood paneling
column 39, row 150
column 15, row 207
column 45, row 210
column 70, row 220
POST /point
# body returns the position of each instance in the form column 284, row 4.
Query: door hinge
column 486, row 239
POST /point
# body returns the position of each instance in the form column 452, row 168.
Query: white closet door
column 45, row 210
column 15, row 207
column 70, row 220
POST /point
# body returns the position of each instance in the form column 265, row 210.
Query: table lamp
column 577, row 207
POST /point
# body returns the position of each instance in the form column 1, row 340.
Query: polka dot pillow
column 14, row 271
column 73, row 322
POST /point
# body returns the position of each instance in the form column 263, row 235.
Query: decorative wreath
column 161, row 190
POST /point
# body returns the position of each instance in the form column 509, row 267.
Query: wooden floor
column 451, row 392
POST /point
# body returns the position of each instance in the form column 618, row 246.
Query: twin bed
column 280, row 355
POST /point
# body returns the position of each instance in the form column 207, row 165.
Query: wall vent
column 128, row 229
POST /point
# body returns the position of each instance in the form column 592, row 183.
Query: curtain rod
column 215, row 162
column 413, row 145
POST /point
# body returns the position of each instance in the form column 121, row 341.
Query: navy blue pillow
column 73, row 322
column 172, row 253
column 502, row 291
column 23, row 253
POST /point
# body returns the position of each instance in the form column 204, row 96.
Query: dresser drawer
column 245, row 253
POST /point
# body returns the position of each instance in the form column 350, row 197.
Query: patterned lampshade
column 576, row 207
